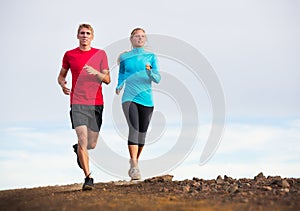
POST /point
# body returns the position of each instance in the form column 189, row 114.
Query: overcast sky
column 252, row 45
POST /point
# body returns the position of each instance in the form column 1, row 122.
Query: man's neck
column 85, row 48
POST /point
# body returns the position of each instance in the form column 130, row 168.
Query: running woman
column 138, row 68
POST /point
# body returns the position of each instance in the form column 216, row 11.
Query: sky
column 252, row 46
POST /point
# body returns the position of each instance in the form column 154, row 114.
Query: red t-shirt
column 86, row 89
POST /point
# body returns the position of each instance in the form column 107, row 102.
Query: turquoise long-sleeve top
column 135, row 77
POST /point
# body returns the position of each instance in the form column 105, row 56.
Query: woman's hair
column 85, row 25
column 135, row 30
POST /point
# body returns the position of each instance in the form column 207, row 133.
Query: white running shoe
column 134, row 173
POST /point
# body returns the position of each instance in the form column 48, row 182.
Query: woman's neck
column 138, row 49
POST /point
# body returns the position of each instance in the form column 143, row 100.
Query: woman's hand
column 148, row 67
column 118, row 91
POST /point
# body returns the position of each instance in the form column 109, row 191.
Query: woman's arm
column 121, row 77
column 152, row 70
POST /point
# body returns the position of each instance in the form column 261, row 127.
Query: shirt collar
column 138, row 50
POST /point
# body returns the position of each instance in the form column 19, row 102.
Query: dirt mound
column 162, row 193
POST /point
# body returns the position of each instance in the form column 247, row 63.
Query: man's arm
column 102, row 76
column 62, row 81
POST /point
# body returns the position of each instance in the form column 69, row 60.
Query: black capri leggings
column 138, row 118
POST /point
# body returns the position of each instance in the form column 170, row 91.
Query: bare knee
column 92, row 145
column 82, row 137
column 92, row 139
column 83, row 143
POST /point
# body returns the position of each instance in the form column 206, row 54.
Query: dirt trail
column 162, row 193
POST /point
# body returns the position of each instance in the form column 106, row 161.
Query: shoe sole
column 136, row 179
column 87, row 187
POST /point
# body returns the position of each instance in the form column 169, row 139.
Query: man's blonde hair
column 85, row 25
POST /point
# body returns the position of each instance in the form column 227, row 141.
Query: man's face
column 85, row 37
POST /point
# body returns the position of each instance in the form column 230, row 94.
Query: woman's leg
column 140, row 149
column 131, row 113
column 145, row 114
column 132, row 116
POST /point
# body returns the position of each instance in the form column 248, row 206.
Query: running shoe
column 88, row 183
column 75, row 147
column 134, row 173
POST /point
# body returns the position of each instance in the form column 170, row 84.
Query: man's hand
column 65, row 89
column 90, row 70
column 102, row 76
column 62, row 81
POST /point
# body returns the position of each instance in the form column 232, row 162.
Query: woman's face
column 138, row 39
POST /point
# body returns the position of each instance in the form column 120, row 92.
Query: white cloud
column 236, row 170
column 245, row 150
column 39, row 158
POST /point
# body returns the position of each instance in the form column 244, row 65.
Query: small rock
column 248, row 185
column 286, row 190
column 244, row 200
column 291, row 181
column 268, row 188
column 228, row 179
column 172, row 198
column 276, row 180
column 260, row 176
column 197, row 179
column 164, row 189
column 194, row 192
column 274, row 177
column 244, row 194
column 205, row 188
column 285, row 184
column 219, row 180
column 164, row 178
column 186, row 188
column 196, row 184
column 233, row 188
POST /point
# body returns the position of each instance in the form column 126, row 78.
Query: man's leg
column 92, row 139
column 82, row 135
column 94, row 126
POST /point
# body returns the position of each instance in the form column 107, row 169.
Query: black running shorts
column 88, row 115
